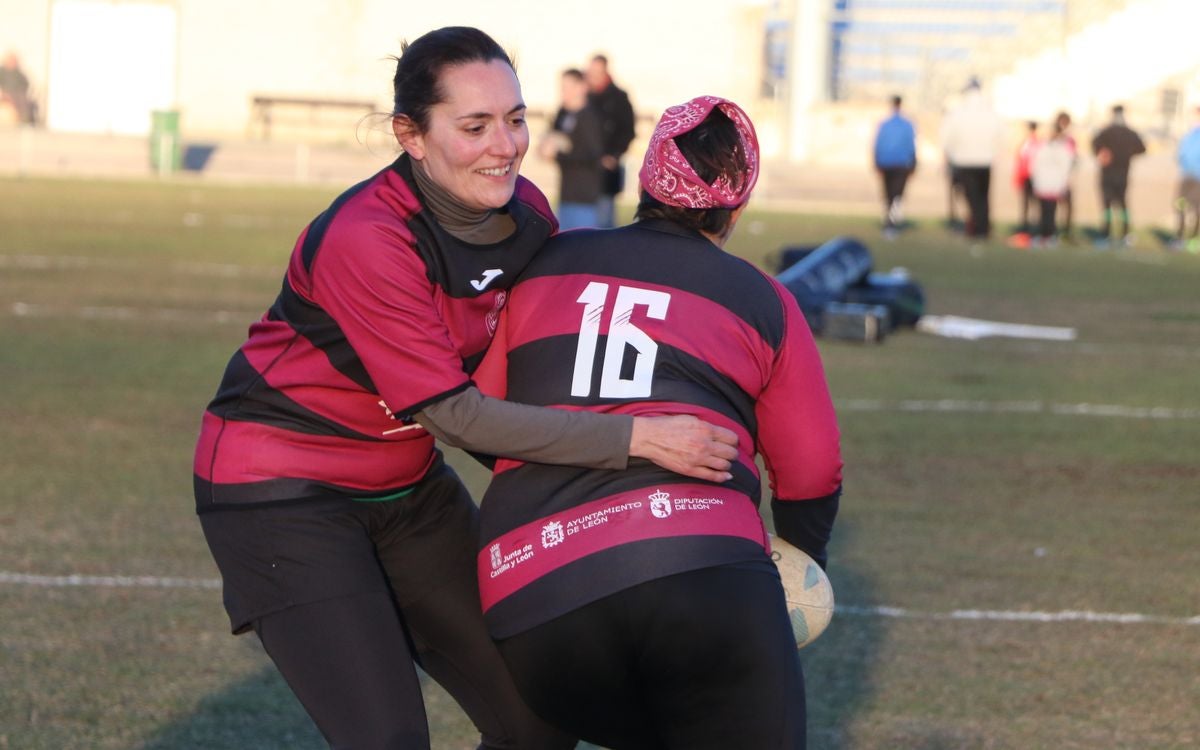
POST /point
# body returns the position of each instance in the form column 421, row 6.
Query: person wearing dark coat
column 617, row 121
column 1115, row 146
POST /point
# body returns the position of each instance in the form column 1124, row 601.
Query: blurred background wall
column 815, row 74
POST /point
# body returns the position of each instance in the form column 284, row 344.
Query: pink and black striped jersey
column 649, row 319
column 382, row 313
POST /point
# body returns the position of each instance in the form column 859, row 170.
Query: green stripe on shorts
column 385, row 498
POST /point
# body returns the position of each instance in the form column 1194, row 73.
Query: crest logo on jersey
column 552, row 534
column 660, row 504
column 488, row 277
column 493, row 317
column 497, row 558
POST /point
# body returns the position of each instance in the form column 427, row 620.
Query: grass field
column 975, row 482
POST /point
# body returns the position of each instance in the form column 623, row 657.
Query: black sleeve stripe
column 261, row 403
column 319, row 327
column 320, row 225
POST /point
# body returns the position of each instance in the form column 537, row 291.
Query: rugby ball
column 807, row 590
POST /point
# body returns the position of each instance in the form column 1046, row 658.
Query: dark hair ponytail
column 417, row 83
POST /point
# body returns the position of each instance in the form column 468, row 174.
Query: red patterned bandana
column 666, row 173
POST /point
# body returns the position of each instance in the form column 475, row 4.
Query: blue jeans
column 577, row 216
column 606, row 215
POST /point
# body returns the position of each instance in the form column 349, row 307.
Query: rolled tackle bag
column 824, row 274
column 895, row 290
column 785, row 257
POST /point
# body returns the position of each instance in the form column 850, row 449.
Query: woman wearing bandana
column 638, row 608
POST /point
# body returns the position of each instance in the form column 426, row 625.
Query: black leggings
column 1112, row 193
column 703, row 660
column 1027, row 200
column 375, row 587
column 1046, row 228
column 894, row 180
column 977, row 183
column 350, row 664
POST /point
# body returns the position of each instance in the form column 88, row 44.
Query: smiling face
column 477, row 136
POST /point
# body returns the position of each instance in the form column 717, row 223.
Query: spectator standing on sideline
column 1023, row 182
column 14, row 90
column 616, row 117
column 970, row 137
column 895, row 160
column 1114, row 147
column 1066, row 201
column 1187, row 199
column 1050, row 173
column 576, row 142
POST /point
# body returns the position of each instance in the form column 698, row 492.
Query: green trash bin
column 166, row 153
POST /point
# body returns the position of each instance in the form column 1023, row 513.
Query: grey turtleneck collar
column 474, row 226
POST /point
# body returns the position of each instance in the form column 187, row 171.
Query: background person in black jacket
column 576, row 142
column 1115, row 146
column 616, row 118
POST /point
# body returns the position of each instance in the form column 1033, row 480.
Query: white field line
column 99, row 312
column 965, row 406
column 28, row 262
column 109, row 582
column 158, row 582
column 1071, row 615
column 1085, row 347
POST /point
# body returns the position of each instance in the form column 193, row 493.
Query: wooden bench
column 267, row 111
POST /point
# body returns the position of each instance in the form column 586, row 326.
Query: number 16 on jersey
column 621, row 333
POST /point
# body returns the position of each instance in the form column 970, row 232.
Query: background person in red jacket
column 1023, row 182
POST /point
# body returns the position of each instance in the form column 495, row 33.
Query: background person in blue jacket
column 895, row 160
column 1187, row 200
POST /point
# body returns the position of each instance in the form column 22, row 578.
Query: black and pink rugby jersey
column 382, row 313
column 648, row 319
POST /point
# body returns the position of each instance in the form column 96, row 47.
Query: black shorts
column 703, row 660
column 1113, row 188
column 279, row 556
column 894, row 181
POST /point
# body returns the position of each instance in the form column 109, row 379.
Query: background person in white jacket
column 971, row 135
column 1050, row 171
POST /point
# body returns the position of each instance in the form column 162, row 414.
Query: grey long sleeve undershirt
column 475, row 422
